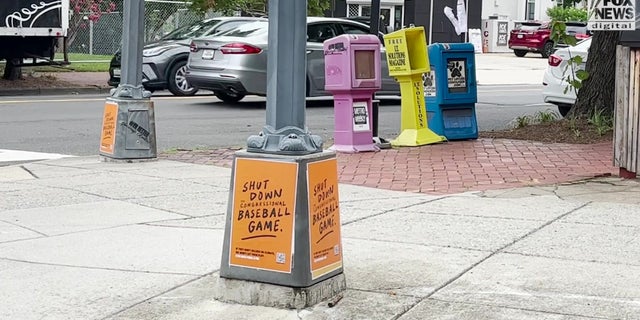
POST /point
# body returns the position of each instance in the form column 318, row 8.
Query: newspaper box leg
column 413, row 122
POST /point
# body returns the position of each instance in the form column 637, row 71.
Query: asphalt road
column 72, row 124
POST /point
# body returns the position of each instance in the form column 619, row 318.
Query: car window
column 351, row 29
column 225, row 26
column 532, row 26
column 319, row 32
column 191, row 31
column 584, row 44
column 576, row 30
column 247, row 29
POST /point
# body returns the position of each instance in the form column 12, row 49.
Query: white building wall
column 515, row 9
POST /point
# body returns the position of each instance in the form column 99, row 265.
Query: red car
column 534, row 36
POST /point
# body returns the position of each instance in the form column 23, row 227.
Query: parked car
column 531, row 36
column 164, row 62
column 234, row 64
column 556, row 88
column 579, row 30
column 535, row 36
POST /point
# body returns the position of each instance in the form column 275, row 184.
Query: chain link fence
column 99, row 40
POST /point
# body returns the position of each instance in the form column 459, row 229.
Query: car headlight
column 156, row 51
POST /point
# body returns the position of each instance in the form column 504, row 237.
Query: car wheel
column 229, row 97
column 547, row 50
column 520, row 53
column 178, row 84
column 564, row 109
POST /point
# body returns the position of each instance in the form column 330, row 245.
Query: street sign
column 612, row 15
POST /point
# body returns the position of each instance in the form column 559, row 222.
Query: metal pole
column 431, row 23
column 132, row 43
column 285, row 131
column 91, row 37
column 374, row 20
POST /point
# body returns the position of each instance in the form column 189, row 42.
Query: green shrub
column 567, row 14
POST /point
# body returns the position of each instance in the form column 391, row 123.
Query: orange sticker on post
column 324, row 217
column 109, row 121
column 262, row 223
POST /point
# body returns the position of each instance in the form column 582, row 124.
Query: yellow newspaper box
column 408, row 60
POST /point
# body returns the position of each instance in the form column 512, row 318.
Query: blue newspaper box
column 451, row 91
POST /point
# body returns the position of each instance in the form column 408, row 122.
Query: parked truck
column 30, row 32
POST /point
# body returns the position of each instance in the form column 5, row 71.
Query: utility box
column 128, row 130
column 451, row 93
column 495, row 35
column 353, row 75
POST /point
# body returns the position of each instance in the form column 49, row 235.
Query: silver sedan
column 234, row 64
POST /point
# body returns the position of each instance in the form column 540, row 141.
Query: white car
column 556, row 88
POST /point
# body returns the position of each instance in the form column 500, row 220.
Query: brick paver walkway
column 456, row 166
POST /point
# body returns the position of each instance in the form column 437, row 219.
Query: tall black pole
column 374, row 20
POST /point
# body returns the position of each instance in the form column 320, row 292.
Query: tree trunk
column 598, row 91
column 11, row 71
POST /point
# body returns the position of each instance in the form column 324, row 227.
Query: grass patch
column 80, row 62
column 84, row 57
column 74, row 66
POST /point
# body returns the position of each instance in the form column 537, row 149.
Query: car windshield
column 529, row 26
column 247, row 30
column 584, row 44
column 191, row 31
column 576, row 29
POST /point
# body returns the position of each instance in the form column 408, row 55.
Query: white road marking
column 19, row 155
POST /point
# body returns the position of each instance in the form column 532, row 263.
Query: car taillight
column 554, row 60
column 239, row 48
column 193, row 47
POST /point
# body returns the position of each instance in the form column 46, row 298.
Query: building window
column 366, row 11
column 531, row 10
column 354, row 10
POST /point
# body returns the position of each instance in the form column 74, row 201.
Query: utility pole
column 128, row 127
column 282, row 245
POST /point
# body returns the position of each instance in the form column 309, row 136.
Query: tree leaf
column 582, row 75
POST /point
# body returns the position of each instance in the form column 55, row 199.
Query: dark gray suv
column 164, row 61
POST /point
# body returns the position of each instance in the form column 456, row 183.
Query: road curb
column 53, row 91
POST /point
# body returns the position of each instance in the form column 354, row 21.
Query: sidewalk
column 83, row 239
column 457, row 166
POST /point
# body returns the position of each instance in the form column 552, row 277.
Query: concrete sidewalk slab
column 585, row 242
column 507, row 69
column 83, row 251
column 472, row 233
column 404, row 268
column 57, row 220
column 42, row 291
column 561, row 287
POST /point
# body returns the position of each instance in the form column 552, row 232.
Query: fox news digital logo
column 612, row 15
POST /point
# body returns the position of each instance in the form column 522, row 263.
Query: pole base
column 274, row 296
column 417, row 137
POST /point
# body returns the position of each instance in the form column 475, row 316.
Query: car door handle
column 309, row 51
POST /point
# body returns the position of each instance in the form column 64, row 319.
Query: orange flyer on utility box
column 324, row 217
column 109, row 121
column 264, row 200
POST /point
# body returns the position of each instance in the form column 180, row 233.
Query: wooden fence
column 627, row 112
